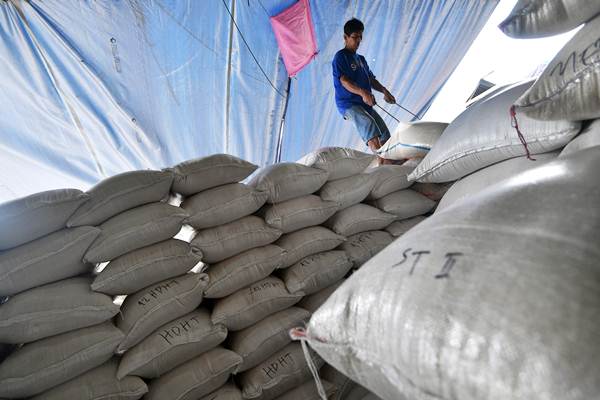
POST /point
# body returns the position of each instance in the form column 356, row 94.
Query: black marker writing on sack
column 450, row 261
column 283, row 361
column 588, row 57
column 178, row 329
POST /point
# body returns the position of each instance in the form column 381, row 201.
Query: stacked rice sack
column 64, row 327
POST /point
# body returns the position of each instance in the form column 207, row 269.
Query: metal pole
column 281, row 125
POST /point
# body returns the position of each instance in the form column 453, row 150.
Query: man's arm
column 352, row 87
column 387, row 96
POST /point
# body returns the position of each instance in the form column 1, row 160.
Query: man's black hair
column 352, row 26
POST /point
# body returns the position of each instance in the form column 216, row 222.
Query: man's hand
column 387, row 96
column 368, row 98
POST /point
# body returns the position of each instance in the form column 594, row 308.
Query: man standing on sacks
column 353, row 81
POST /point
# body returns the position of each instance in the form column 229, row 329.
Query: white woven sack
column 399, row 228
column 53, row 309
column 359, row 218
column 315, row 300
column 48, row 259
column 249, row 305
column 589, row 137
column 361, row 247
column 284, row 370
column 227, row 240
column 120, row 193
column 500, row 294
column 299, row 213
column 140, row 268
column 347, row 191
column 239, row 271
column 316, row 272
column 229, row 391
column 474, row 183
column 98, row 384
column 171, row 345
column 339, row 162
column 540, row 18
column 222, row 204
column 411, row 140
column 388, row 179
column 196, row 175
column 259, row 341
column 195, row 378
column 308, row 391
column 483, row 135
column 306, row 242
column 134, row 229
column 148, row 309
column 31, row 217
column 286, row 181
column 405, row 204
column 46, row 363
column 569, row 87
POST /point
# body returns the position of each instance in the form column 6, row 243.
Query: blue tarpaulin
column 92, row 88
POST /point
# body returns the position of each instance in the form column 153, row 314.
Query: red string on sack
column 515, row 124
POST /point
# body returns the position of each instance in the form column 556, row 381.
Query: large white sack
column 282, row 371
column 143, row 267
column 222, row 204
column 387, row 179
column 301, row 212
column 194, row 176
column 249, row 305
column 239, row 271
column 46, row 363
column 195, row 378
column 359, row 218
column 31, row 217
column 307, row 241
column 347, row 191
column 496, row 298
column 48, row 259
column 134, row 229
column 259, row 341
column 286, row 181
column 144, row 311
column 339, row 162
column 171, row 345
column 120, row 193
column 589, row 137
column 411, row 140
column 483, row 135
column 53, row 309
column 100, row 383
column 569, row 87
column 227, row 240
column 539, row 18
column 474, row 183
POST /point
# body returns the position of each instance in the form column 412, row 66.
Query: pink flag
column 295, row 35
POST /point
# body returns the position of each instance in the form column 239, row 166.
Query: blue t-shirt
column 354, row 66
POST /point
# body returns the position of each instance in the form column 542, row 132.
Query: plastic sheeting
column 94, row 88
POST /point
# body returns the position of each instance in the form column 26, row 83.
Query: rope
column 385, row 111
column 300, row 335
column 408, row 111
column 250, row 50
column 515, row 124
